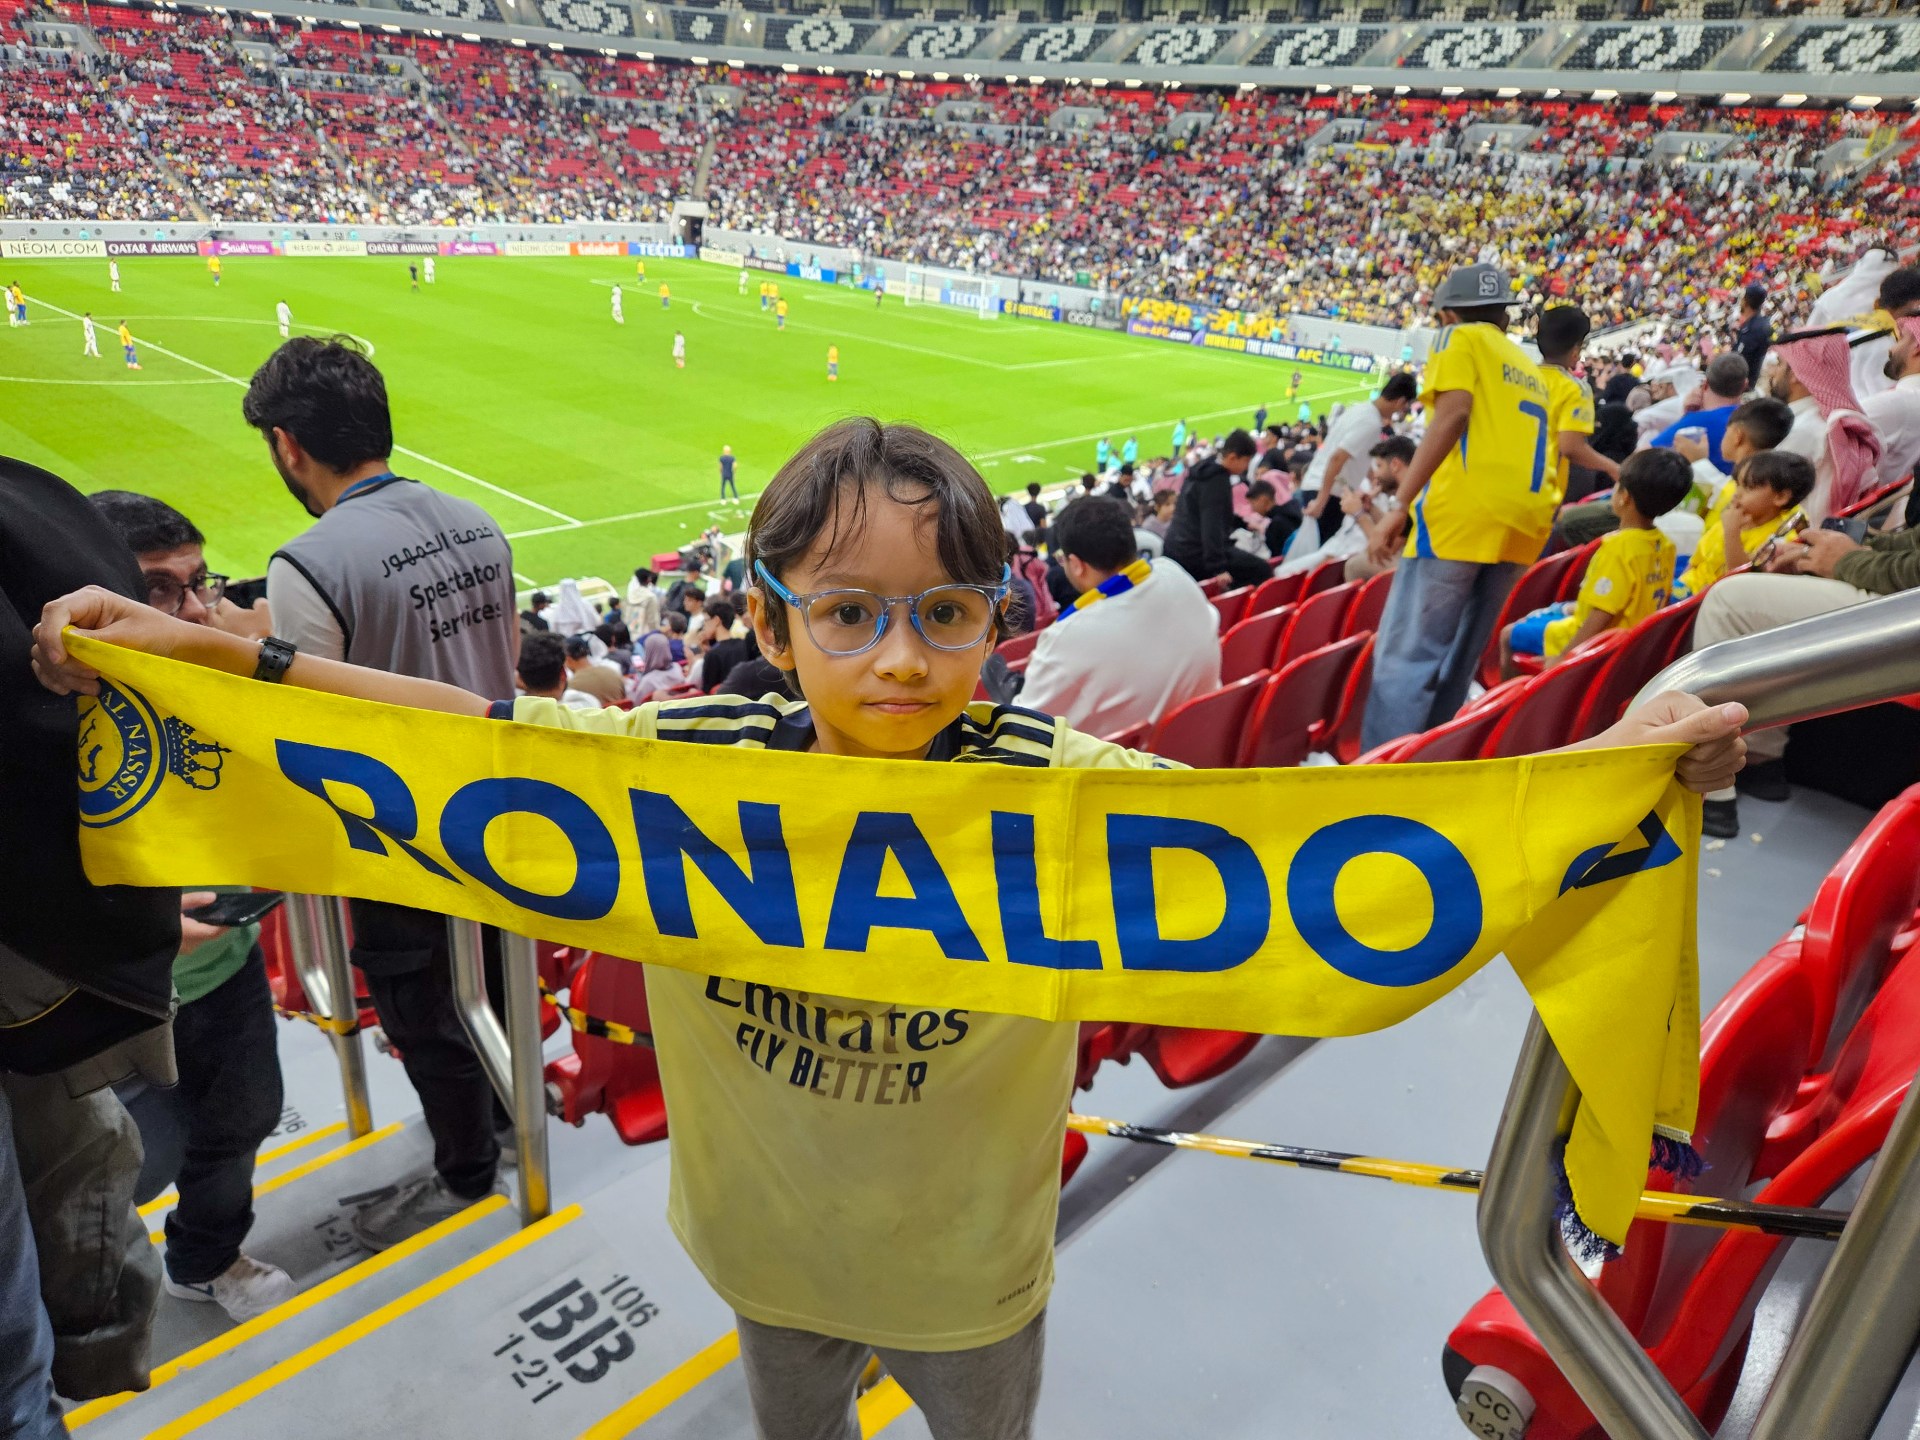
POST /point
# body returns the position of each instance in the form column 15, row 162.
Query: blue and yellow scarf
column 1117, row 583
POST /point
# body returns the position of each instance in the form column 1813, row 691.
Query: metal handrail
column 1850, row 1350
column 511, row 1057
column 317, row 937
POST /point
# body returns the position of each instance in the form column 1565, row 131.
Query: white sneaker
column 246, row 1288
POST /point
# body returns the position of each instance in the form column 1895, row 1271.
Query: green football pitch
column 511, row 385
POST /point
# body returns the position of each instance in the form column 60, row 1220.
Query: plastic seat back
column 1318, row 620
column 1018, row 647
column 1539, row 585
column 1232, row 605
column 1869, row 897
column 1369, row 605
column 1544, row 716
column 1342, row 739
column 1324, row 576
column 601, row 1075
column 1299, row 704
column 1188, row 1057
column 1462, row 738
column 1644, row 654
column 1748, row 1045
column 1205, row 731
column 1271, row 594
column 1250, row 645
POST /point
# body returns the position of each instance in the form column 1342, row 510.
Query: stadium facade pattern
column 1690, row 47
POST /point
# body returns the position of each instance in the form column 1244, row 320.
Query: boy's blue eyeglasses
column 851, row 622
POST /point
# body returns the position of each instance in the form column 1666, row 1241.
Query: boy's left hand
column 1712, row 733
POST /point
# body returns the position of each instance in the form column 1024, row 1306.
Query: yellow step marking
column 287, row 1369
column 881, row 1406
column 667, row 1389
column 298, row 1305
column 162, row 1202
column 319, row 1162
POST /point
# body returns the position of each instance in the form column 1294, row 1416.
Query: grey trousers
column 802, row 1384
column 99, row 1274
column 28, row 1409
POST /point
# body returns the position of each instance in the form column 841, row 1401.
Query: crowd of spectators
column 1344, row 205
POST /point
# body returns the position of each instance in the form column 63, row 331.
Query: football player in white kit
column 429, row 269
column 679, row 351
column 285, row 317
column 618, row 317
column 86, row 329
column 113, row 274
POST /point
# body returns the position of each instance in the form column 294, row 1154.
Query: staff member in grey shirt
column 397, row 576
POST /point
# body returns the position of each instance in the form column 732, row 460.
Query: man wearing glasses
column 203, row 1133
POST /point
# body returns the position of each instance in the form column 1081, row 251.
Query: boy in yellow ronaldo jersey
column 1479, row 498
column 880, row 587
column 1562, row 337
column 1752, row 508
column 1630, row 575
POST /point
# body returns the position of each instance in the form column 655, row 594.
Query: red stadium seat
column 1633, row 664
column 1251, row 644
column 1540, row 585
column 1188, row 1057
column 1019, row 647
column 1072, row 1153
column 1369, row 605
column 1101, row 1041
column 1232, row 605
column 1299, row 704
column 1134, row 738
column 1324, row 576
column 1465, row 737
column 1205, row 731
column 602, row 1076
column 1319, row 619
column 1271, row 594
column 1663, row 1286
column 1543, row 717
column 1213, row 585
column 1342, row 738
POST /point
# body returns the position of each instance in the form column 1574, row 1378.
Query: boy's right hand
column 102, row 615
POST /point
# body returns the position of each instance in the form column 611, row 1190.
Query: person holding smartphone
column 202, row 1134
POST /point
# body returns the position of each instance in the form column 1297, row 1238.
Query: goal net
column 964, row 292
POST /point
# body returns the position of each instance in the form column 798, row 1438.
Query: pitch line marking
column 160, row 349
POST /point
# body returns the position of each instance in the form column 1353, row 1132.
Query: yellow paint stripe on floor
column 280, row 1152
column 670, row 1387
column 287, row 1369
column 881, row 1406
column 298, row 1305
column 319, row 1162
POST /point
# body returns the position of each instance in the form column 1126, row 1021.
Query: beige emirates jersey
column 878, row 1171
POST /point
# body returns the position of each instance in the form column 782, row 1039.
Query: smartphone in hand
column 230, row 911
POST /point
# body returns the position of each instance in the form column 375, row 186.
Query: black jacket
column 1203, row 519
column 115, row 943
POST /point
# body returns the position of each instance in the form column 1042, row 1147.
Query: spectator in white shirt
column 1361, row 509
column 1342, row 460
column 1895, row 413
column 643, row 603
column 1140, row 639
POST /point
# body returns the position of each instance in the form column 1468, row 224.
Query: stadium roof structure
column 1763, row 61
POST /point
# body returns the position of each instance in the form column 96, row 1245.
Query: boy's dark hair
column 1765, row 421
column 543, row 659
column 146, row 524
column 327, row 395
column 1098, row 531
column 538, row 598
column 675, row 621
column 1395, row 447
column 1900, row 287
column 721, row 610
column 1401, row 385
column 643, row 575
column 1656, row 480
column 1777, row 470
column 1261, row 490
column 1238, row 442
column 1163, row 495
column 578, row 648
column 1755, row 296
column 1033, row 489
column 822, row 492
column 1561, row 329
column 692, row 593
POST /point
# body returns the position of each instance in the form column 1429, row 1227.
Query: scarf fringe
column 1671, row 1153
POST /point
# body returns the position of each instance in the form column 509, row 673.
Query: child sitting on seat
column 1757, row 504
column 1630, row 574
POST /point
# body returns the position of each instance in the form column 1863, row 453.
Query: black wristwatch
column 275, row 656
